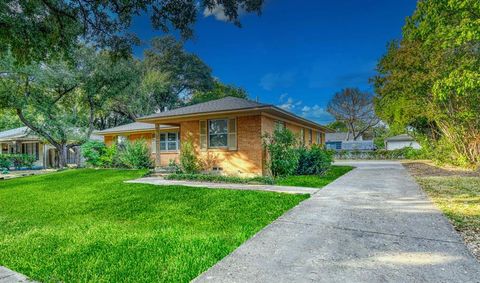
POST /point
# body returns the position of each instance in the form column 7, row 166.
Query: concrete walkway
column 270, row 188
column 10, row 276
column 374, row 224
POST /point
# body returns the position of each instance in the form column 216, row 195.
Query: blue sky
column 297, row 54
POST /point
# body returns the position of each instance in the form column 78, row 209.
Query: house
column 226, row 133
column 401, row 141
column 24, row 141
column 344, row 141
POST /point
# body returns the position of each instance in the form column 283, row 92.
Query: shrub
column 93, row 151
column 282, row 152
column 110, row 157
column 314, row 161
column 5, row 161
column 136, row 155
column 22, row 160
column 188, row 160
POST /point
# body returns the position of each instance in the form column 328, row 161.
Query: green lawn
column 87, row 225
column 459, row 199
column 314, row 181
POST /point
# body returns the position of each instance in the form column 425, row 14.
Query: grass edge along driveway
column 88, row 225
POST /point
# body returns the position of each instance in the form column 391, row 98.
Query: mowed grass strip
column 88, row 225
column 315, row 181
column 459, row 199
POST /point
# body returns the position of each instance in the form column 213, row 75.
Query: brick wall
column 245, row 161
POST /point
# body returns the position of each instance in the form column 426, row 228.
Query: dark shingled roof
column 224, row 104
column 135, row 126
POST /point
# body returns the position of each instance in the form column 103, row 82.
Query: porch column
column 157, row 146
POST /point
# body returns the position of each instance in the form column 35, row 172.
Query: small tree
column 354, row 109
column 188, row 160
column 282, row 152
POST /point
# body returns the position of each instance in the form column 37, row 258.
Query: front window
column 121, row 140
column 279, row 125
column 218, row 133
column 169, row 141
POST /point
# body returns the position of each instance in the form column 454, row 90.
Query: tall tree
column 59, row 100
column 218, row 91
column 38, row 29
column 172, row 74
column 430, row 80
column 355, row 109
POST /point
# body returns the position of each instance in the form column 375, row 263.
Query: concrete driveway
column 372, row 225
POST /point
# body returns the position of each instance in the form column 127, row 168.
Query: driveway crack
column 371, row 232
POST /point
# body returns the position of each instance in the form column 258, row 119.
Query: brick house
column 226, row 133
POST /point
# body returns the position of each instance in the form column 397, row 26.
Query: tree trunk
column 62, row 156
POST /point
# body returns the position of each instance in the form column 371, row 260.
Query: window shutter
column 203, row 135
column 232, row 134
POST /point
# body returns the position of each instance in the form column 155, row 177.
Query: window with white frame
column 218, row 133
column 122, row 140
column 279, row 125
column 168, row 142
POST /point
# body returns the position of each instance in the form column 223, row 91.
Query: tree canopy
column 39, row 29
column 430, row 79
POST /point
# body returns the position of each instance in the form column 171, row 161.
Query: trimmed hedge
column 382, row 154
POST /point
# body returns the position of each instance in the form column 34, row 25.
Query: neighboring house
column 23, row 141
column 344, row 141
column 401, row 141
column 226, row 133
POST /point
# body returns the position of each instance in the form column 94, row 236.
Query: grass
column 89, row 226
column 459, row 199
column 314, row 181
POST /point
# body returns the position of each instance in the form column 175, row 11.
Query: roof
column 132, row 127
column 15, row 133
column 223, row 104
column 339, row 136
column 402, row 137
column 226, row 104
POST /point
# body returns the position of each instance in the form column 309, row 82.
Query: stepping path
column 210, row 185
column 374, row 224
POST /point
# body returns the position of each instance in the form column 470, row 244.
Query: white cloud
column 288, row 103
column 273, row 80
column 317, row 113
column 218, row 12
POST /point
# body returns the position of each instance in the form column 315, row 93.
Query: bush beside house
column 132, row 155
column 18, row 161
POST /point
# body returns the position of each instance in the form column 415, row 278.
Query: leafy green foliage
column 430, row 80
column 383, row 154
column 9, row 120
column 17, row 160
column 105, row 230
column 282, row 151
column 314, row 181
column 218, row 91
column 111, row 157
column 189, row 162
column 35, row 30
column 314, row 160
column 92, row 151
column 5, row 161
column 136, row 155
